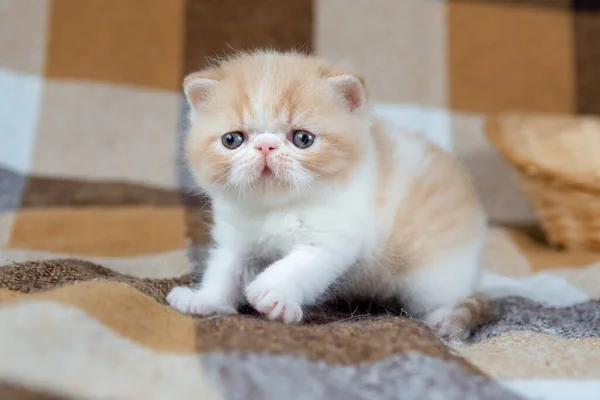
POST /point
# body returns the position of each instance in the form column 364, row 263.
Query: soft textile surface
column 98, row 219
column 75, row 329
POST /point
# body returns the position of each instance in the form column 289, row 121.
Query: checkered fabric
column 98, row 220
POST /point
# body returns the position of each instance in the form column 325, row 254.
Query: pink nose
column 265, row 149
column 266, row 146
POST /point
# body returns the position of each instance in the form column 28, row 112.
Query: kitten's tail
column 543, row 288
column 473, row 311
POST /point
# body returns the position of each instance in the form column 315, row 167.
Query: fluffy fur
column 368, row 211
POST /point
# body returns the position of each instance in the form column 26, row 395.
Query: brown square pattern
column 137, row 42
column 504, row 57
column 561, row 4
column 214, row 26
column 586, row 28
column 100, row 231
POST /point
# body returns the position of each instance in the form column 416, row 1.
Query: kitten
column 302, row 174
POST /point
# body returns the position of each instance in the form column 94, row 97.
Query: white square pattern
column 100, row 131
column 20, row 98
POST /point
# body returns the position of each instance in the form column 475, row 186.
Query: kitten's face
column 274, row 126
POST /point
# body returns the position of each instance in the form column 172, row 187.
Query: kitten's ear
column 197, row 88
column 351, row 89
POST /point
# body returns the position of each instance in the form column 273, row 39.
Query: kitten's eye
column 232, row 140
column 303, row 139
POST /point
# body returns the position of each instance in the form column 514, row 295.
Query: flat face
column 284, row 102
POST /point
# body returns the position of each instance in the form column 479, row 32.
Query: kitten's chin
column 261, row 184
column 267, row 190
column 270, row 184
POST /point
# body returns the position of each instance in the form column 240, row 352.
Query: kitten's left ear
column 351, row 89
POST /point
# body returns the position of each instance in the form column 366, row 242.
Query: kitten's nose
column 266, row 145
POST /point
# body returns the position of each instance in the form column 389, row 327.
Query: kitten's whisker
column 217, row 181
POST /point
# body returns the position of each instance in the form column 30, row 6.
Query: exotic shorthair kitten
column 302, row 174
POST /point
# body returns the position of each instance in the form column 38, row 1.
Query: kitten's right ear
column 197, row 88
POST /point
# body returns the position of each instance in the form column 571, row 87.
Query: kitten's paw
column 188, row 301
column 275, row 305
column 446, row 325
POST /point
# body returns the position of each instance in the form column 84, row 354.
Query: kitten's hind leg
column 443, row 295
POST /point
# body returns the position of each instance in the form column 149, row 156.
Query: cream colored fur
column 368, row 211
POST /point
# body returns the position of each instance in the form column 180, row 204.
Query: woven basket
column 558, row 164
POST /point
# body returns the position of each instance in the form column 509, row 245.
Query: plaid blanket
column 98, row 219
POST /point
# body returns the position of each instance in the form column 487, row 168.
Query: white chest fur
column 266, row 235
column 274, row 234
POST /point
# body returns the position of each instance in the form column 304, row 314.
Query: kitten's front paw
column 186, row 300
column 275, row 305
column 446, row 325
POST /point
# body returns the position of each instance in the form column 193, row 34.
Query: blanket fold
column 340, row 351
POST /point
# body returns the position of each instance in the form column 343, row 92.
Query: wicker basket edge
column 493, row 132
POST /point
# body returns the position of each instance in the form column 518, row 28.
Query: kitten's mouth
column 266, row 171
